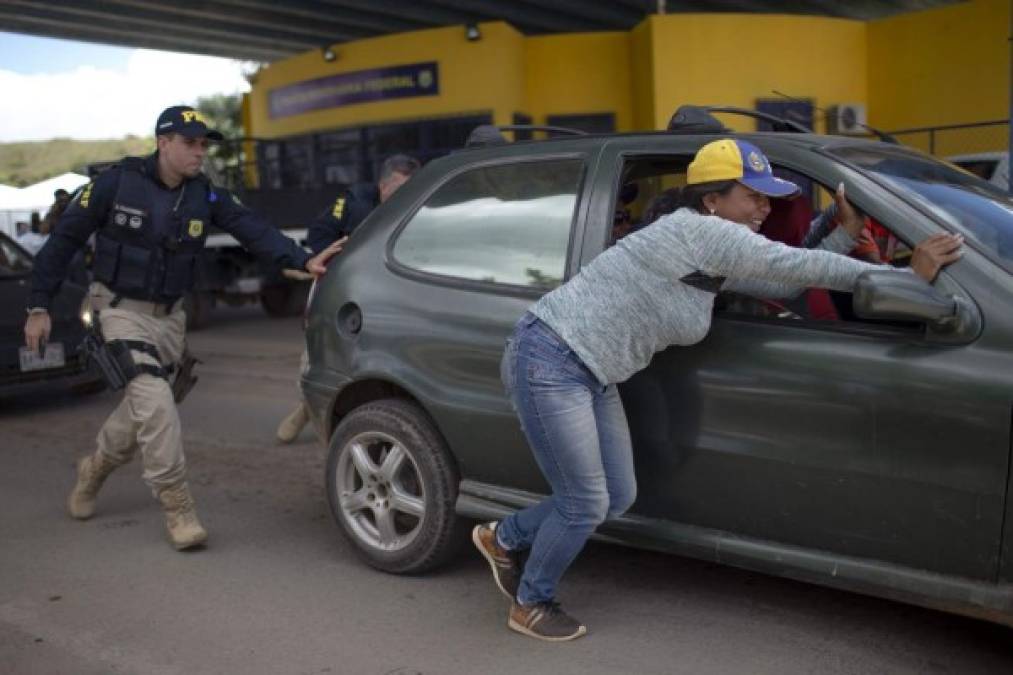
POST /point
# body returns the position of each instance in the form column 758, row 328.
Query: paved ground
column 279, row 591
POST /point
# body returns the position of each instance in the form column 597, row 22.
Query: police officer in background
column 150, row 216
column 333, row 226
column 353, row 205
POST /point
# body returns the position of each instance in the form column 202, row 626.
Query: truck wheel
column 89, row 387
column 392, row 487
column 284, row 300
column 197, row 305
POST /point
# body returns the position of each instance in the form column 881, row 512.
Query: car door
column 872, row 442
column 482, row 245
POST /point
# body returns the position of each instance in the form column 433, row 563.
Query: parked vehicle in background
column 990, row 166
column 61, row 364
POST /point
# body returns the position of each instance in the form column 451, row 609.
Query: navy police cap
column 182, row 119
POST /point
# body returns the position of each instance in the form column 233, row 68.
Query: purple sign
column 363, row 86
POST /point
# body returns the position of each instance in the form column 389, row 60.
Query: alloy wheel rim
column 380, row 491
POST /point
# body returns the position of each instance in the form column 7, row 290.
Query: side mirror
column 906, row 297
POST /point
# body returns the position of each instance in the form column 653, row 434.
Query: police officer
column 150, row 217
column 353, row 205
column 334, row 225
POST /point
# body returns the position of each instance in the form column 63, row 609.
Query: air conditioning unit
column 846, row 118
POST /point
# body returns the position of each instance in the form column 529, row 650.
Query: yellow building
column 423, row 91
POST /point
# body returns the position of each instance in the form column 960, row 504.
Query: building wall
column 486, row 75
column 941, row 66
column 944, row 66
column 642, row 77
column 735, row 59
column 580, row 74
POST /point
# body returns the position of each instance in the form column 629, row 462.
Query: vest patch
column 129, row 210
column 196, row 228
column 85, row 196
column 339, row 208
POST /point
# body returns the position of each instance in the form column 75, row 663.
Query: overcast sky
column 60, row 88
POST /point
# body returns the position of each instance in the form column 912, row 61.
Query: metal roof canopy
column 265, row 30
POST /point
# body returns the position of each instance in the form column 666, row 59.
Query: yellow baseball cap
column 732, row 159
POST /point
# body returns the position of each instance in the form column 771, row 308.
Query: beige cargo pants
column 146, row 419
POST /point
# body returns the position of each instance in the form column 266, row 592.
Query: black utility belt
column 143, row 306
column 113, row 358
column 118, row 367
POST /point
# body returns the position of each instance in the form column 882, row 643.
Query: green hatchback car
column 861, row 442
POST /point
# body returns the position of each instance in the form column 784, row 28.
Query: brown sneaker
column 545, row 621
column 506, row 567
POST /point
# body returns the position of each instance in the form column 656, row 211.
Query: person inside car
column 653, row 289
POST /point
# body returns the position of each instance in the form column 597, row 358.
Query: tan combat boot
column 292, row 426
column 185, row 531
column 91, row 473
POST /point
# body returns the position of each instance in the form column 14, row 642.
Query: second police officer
column 150, row 217
column 353, row 205
column 332, row 226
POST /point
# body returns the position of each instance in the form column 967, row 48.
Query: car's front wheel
column 392, row 486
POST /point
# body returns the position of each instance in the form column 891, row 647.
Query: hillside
column 22, row 164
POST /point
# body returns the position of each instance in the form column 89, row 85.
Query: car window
column 647, row 189
column 13, row 261
column 982, row 168
column 804, row 222
column 506, row 224
column 969, row 205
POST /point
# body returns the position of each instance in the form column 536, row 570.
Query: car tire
column 392, row 487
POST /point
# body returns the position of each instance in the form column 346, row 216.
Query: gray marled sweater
column 630, row 302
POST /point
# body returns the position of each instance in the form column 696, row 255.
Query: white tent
column 18, row 204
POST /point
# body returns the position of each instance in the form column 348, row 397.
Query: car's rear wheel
column 392, row 486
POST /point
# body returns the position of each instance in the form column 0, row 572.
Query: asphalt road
column 279, row 591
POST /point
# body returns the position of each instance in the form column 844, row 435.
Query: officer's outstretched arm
column 317, row 265
column 254, row 232
column 328, row 226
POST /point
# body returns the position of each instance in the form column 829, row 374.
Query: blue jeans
column 579, row 436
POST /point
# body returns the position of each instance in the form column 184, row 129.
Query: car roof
column 584, row 143
column 976, row 156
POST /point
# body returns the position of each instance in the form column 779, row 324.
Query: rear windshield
column 965, row 203
column 982, row 168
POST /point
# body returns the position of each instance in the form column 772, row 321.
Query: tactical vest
column 139, row 260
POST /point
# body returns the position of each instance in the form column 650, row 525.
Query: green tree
column 224, row 113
